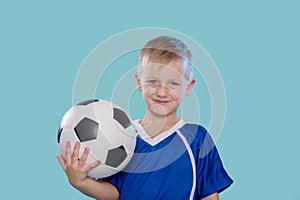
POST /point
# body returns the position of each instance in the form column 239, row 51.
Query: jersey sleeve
column 211, row 175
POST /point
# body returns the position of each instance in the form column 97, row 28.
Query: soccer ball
column 103, row 127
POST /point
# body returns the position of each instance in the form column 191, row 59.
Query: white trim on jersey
column 153, row 141
column 192, row 162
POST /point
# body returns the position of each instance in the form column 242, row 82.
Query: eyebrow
column 179, row 80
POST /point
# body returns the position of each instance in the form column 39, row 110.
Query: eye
column 152, row 82
column 173, row 84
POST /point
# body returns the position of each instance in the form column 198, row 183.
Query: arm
column 76, row 170
column 214, row 196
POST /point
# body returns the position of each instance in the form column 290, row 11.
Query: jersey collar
column 157, row 139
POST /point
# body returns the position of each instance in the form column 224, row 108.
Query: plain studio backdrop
column 255, row 45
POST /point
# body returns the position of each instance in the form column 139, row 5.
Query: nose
column 162, row 91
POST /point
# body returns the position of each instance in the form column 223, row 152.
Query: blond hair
column 166, row 50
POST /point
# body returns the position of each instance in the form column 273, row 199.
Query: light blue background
column 255, row 45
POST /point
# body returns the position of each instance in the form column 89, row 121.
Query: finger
column 76, row 152
column 84, row 156
column 68, row 153
column 61, row 161
column 92, row 165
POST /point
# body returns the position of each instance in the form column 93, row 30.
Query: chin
column 162, row 113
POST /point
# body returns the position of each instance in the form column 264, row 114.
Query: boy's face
column 163, row 87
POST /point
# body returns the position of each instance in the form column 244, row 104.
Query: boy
column 173, row 159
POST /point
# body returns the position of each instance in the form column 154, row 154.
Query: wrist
column 83, row 184
column 78, row 184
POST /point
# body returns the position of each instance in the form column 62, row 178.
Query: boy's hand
column 75, row 168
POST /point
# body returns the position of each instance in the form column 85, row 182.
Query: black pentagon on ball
column 86, row 130
column 86, row 102
column 121, row 117
column 116, row 156
column 59, row 134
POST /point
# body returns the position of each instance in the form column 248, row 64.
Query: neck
column 155, row 125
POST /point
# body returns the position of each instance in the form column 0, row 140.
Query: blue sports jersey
column 181, row 163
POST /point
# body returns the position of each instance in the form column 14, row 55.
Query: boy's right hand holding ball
column 75, row 168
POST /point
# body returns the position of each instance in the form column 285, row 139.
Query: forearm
column 214, row 196
column 100, row 190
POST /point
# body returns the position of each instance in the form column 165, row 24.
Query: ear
column 189, row 87
column 138, row 82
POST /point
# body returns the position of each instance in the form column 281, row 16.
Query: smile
column 161, row 101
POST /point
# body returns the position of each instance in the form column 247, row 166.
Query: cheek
column 177, row 95
column 147, row 93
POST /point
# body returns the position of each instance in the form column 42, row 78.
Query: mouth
column 162, row 102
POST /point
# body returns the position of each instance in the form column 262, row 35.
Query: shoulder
column 194, row 131
column 199, row 139
column 200, row 128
